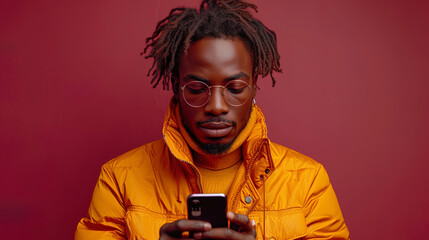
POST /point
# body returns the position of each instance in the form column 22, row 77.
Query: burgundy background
column 353, row 95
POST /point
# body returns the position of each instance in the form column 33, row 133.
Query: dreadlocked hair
column 217, row 19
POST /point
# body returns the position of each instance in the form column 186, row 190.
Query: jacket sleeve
column 106, row 215
column 323, row 214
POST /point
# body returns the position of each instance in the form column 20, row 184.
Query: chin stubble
column 213, row 148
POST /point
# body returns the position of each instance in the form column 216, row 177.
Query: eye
column 236, row 87
column 195, row 88
column 235, row 91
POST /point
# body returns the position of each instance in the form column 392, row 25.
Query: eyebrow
column 194, row 77
column 239, row 75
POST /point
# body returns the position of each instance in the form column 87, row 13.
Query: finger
column 240, row 222
column 226, row 233
column 178, row 227
column 220, row 233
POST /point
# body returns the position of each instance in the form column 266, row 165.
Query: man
column 215, row 141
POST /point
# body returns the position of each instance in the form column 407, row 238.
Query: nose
column 216, row 105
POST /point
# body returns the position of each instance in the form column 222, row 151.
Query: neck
column 217, row 162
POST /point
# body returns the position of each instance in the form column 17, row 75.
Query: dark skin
column 215, row 61
column 203, row 230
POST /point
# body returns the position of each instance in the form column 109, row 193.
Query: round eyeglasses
column 197, row 94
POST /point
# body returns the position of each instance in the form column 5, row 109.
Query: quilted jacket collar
column 256, row 151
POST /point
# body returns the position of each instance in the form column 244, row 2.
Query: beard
column 214, row 148
column 211, row 148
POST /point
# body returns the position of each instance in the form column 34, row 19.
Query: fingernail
column 207, row 227
column 253, row 223
column 230, row 215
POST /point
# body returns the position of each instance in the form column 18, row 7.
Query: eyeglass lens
column 235, row 92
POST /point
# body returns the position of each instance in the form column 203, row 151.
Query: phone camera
column 196, row 208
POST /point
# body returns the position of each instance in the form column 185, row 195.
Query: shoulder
column 136, row 158
column 302, row 173
column 297, row 164
column 289, row 158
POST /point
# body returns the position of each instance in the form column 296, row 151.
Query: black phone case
column 213, row 209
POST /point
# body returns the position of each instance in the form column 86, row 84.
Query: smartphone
column 208, row 207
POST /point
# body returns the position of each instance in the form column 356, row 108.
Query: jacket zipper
column 195, row 171
column 259, row 147
column 197, row 174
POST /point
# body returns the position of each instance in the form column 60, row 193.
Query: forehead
column 216, row 59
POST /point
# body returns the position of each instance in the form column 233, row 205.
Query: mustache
column 217, row 120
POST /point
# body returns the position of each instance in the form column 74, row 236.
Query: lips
column 216, row 129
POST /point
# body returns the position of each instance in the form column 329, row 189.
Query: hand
column 175, row 229
column 245, row 229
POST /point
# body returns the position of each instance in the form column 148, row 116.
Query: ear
column 175, row 85
column 255, row 85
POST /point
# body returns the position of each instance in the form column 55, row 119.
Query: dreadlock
column 215, row 18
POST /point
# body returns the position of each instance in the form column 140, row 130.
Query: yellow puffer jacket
column 287, row 194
